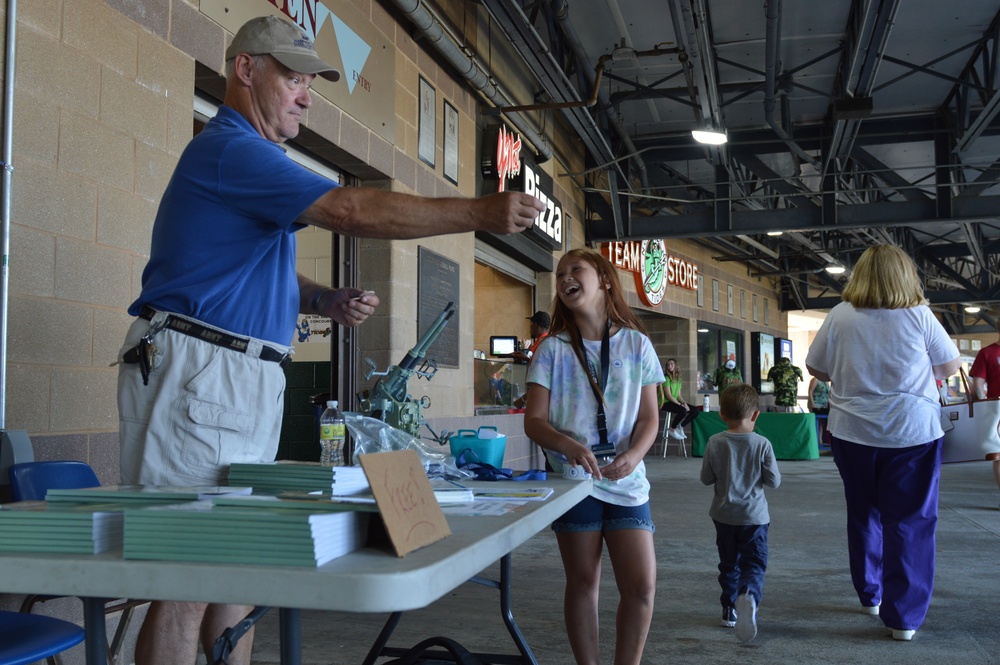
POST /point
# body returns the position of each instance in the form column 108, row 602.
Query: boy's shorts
column 595, row 515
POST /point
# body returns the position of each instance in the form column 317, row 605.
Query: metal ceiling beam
column 887, row 175
column 868, row 31
column 943, row 297
column 750, row 222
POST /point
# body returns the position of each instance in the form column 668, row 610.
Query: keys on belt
column 145, row 353
column 148, row 356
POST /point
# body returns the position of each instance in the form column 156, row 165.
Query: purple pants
column 892, row 511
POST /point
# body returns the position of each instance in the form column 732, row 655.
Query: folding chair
column 31, row 637
column 30, row 481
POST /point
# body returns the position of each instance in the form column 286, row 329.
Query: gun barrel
column 437, row 326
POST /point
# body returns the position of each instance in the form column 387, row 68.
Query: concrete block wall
column 102, row 110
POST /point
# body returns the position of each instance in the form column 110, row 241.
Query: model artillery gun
column 389, row 399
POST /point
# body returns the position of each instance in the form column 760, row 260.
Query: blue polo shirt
column 223, row 246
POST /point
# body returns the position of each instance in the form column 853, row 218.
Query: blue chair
column 27, row 638
column 30, row 481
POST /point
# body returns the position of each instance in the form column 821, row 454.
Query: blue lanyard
column 604, row 448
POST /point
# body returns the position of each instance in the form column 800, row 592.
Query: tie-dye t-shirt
column 573, row 406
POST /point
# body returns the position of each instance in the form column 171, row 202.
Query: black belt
column 217, row 337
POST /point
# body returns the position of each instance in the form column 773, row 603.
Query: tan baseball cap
column 284, row 41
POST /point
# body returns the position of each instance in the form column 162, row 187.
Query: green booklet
column 247, row 530
column 39, row 526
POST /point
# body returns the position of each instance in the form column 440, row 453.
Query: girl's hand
column 621, row 466
column 582, row 455
column 686, row 407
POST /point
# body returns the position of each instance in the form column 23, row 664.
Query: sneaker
column 728, row 617
column 903, row 635
column 674, row 434
column 680, row 430
column 870, row 609
column 746, row 618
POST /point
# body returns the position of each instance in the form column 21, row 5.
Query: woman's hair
column 676, row 374
column 884, row 278
column 619, row 313
column 738, row 402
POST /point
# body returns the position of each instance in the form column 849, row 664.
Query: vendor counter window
column 498, row 384
column 715, row 345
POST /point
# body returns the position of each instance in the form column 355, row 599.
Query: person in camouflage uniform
column 786, row 377
column 727, row 375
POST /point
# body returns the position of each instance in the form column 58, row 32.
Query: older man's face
column 280, row 97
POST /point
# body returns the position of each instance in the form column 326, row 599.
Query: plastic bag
column 371, row 435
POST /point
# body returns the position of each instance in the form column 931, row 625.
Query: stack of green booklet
column 39, row 526
column 244, row 530
column 301, row 477
column 139, row 495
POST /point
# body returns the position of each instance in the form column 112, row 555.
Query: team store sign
column 652, row 267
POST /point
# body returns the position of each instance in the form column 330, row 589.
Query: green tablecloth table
column 792, row 435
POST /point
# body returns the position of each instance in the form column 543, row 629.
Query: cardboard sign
column 405, row 500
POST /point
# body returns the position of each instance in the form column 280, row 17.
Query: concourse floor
column 809, row 614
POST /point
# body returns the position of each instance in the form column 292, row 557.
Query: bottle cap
column 332, row 404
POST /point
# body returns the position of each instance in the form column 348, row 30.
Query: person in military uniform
column 786, row 377
column 727, row 375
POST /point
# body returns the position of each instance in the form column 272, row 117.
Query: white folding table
column 367, row 580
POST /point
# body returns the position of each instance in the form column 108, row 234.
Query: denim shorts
column 595, row 515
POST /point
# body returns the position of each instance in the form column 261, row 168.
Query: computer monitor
column 503, row 345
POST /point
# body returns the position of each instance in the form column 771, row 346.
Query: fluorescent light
column 835, row 269
column 709, row 137
column 775, row 233
column 703, row 330
column 972, row 309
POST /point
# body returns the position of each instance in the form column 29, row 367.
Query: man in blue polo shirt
column 200, row 382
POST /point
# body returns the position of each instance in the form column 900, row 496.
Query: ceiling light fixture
column 835, row 269
column 972, row 309
column 703, row 330
column 709, row 136
column 775, row 233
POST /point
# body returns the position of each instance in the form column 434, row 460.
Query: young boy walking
column 740, row 463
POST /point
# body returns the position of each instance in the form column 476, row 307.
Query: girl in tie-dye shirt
column 564, row 384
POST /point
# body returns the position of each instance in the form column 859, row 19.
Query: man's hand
column 508, row 212
column 348, row 306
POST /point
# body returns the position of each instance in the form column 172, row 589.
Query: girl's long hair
column 676, row 374
column 619, row 313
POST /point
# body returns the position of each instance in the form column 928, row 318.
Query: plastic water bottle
column 332, row 434
column 708, row 403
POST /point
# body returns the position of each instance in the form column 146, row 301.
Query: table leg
column 526, row 657
column 96, row 646
column 383, row 638
column 290, row 629
column 508, row 614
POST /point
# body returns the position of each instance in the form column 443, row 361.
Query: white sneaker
column 903, row 635
column 674, row 434
column 682, row 433
column 746, row 618
column 870, row 609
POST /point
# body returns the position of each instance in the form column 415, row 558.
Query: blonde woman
column 881, row 350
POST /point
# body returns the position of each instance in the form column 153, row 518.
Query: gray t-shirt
column 740, row 466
